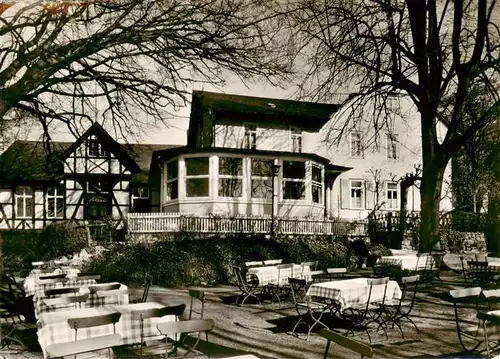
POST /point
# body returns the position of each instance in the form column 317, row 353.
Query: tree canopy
column 126, row 62
column 433, row 53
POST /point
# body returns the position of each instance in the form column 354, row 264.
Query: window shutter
column 345, row 197
column 369, row 195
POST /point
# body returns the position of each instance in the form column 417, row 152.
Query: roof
column 27, row 160
column 308, row 115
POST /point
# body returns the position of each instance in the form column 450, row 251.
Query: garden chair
column 362, row 315
column 273, row 262
column 482, row 274
column 310, row 313
column 178, row 332
column 396, row 311
column 467, row 301
column 466, row 271
column 93, row 344
column 155, row 347
column 147, row 284
column 249, row 289
column 254, row 264
column 88, row 277
column 104, row 287
column 281, row 288
column 52, row 276
column 197, row 296
column 66, row 302
column 335, row 273
column 363, row 349
column 60, row 291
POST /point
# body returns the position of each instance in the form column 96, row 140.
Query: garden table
column 409, row 262
column 54, row 327
column 269, row 274
column 32, row 287
column 99, row 298
column 350, row 292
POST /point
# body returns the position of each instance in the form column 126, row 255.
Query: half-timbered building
column 90, row 179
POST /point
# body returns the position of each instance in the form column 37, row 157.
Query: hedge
column 183, row 259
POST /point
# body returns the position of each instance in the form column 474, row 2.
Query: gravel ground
column 265, row 330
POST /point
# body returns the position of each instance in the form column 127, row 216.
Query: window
column 197, row 177
column 95, row 149
column 140, row 199
column 392, row 149
column 230, row 177
column 55, row 202
column 356, row 148
column 317, row 184
column 262, row 179
column 392, row 195
column 24, row 202
column 357, row 195
column 296, row 137
column 250, row 137
column 172, row 180
column 98, row 186
column 294, row 174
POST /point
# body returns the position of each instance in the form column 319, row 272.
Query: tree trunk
column 2, row 272
column 402, row 211
column 430, row 195
column 492, row 232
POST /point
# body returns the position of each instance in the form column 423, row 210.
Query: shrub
column 20, row 248
column 183, row 259
column 60, row 239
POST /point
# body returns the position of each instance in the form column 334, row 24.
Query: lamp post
column 275, row 171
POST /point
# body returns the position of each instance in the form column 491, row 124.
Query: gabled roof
column 110, row 143
column 307, row 115
column 29, row 160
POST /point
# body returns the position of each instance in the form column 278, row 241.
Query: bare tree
column 132, row 62
column 426, row 50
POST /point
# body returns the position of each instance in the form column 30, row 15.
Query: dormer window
column 95, row 149
column 296, row 139
column 250, row 137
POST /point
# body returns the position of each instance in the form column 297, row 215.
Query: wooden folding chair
column 273, row 262
column 94, row 344
column 249, row 289
column 254, row 264
column 95, row 277
column 156, row 347
column 103, row 287
column 147, row 284
column 66, row 301
column 306, row 309
column 178, row 331
column 465, row 301
column 52, row 276
column 363, row 349
column 60, row 291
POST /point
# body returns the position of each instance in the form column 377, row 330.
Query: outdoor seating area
column 321, row 311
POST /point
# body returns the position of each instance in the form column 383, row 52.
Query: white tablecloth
column 55, row 329
column 350, row 292
column 270, row 274
column 410, row 262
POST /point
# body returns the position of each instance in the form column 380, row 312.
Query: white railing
column 176, row 222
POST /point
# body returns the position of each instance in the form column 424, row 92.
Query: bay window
column 197, row 176
column 294, row 174
column 230, row 177
column 172, row 180
column 262, row 178
column 317, row 184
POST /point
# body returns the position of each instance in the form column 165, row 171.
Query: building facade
column 91, row 179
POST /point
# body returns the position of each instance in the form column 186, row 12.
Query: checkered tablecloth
column 270, row 274
column 40, row 286
column 98, row 299
column 410, row 262
column 54, row 327
column 352, row 292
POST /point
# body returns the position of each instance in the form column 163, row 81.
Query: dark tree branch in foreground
column 130, row 61
column 431, row 52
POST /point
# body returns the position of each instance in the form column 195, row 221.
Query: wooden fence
column 176, row 222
